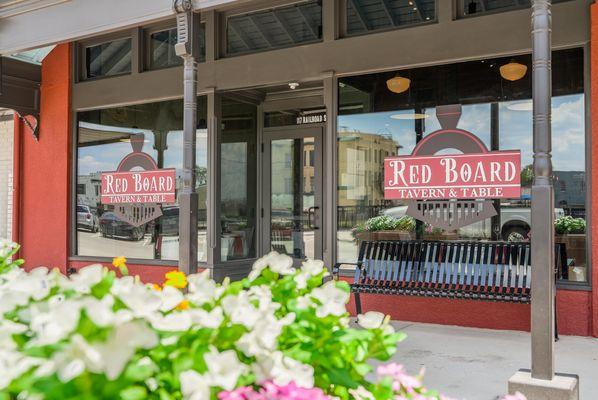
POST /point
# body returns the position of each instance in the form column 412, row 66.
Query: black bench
column 490, row 271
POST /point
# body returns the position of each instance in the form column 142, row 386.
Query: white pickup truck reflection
column 515, row 222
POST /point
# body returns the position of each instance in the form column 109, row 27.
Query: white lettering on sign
column 134, row 187
column 483, row 175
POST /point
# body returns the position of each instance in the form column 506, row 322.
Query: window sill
column 132, row 261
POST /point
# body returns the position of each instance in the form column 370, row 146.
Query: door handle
column 312, row 211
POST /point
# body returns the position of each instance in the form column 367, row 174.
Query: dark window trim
column 342, row 20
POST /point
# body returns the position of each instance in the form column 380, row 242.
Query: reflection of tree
column 527, row 175
column 201, row 176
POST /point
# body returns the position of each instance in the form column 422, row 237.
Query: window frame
column 72, row 224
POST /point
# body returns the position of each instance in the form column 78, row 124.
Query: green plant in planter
column 568, row 224
column 385, row 223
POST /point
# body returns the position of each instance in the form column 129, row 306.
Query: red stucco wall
column 44, row 169
column 594, row 169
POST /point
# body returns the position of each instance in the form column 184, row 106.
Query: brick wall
column 6, row 166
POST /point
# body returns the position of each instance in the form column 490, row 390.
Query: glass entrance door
column 292, row 198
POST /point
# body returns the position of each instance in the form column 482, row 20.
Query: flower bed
column 278, row 334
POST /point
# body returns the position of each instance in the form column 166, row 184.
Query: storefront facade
column 295, row 116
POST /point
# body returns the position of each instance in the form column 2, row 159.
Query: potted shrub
column 385, row 227
column 432, row 233
column 571, row 232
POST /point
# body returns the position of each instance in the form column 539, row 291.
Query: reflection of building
column 88, row 189
column 360, row 162
column 570, row 192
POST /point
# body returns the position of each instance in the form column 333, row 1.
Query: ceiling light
column 410, row 116
column 293, row 85
column 398, row 84
column 513, row 71
column 521, row 106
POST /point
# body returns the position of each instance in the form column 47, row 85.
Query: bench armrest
column 337, row 267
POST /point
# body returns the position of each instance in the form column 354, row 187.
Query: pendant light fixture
column 513, row 71
column 398, row 84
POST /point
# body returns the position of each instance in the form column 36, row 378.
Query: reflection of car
column 86, row 218
column 169, row 221
column 515, row 222
column 112, row 226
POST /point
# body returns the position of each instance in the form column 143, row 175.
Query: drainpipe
column 542, row 382
column 187, row 48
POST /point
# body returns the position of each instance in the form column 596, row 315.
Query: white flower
column 171, row 297
column 100, row 312
column 86, row 277
column 312, row 267
column 224, row 369
column 141, row 300
column 206, row 319
column 122, row 343
column 6, row 246
column 74, row 359
column 279, row 263
column 240, row 310
column 332, row 298
column 202, row 289
column 54, row 320
column 304, row 302
column 282, row 370
column 174, row 322
column 194, row 386
column 263, row 338
column 13, row 364
column 263, row 295
column 361, row 393
column 371, row 319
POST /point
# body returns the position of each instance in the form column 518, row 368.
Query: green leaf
column 133, row 393
column 342, row 377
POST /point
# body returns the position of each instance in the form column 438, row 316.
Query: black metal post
column 543, row 284
column 187, row 47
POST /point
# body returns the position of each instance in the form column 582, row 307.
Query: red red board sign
column 492, row 175
column 138, row 187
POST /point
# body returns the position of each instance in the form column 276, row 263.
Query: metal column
column 187, row 47
column 543, row 284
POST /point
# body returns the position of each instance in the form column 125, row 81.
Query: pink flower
column 271, row 391
column 401, row 380
column 516, row 396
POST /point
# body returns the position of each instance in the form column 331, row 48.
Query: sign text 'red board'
column 135, row 187
column 492, row 175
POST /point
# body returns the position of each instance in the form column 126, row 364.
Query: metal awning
column 30, row 24
column 20, row 88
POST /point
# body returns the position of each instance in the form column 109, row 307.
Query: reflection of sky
column 568, row 129
column 106, row 157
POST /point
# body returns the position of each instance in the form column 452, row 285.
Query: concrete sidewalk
column 475, row 364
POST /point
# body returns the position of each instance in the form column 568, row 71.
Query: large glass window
column 468, row 8
column 108, row 59
column 365, row 16
column 103, row 139
column 375, row 122
column 274, row 28
column 238, row 180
